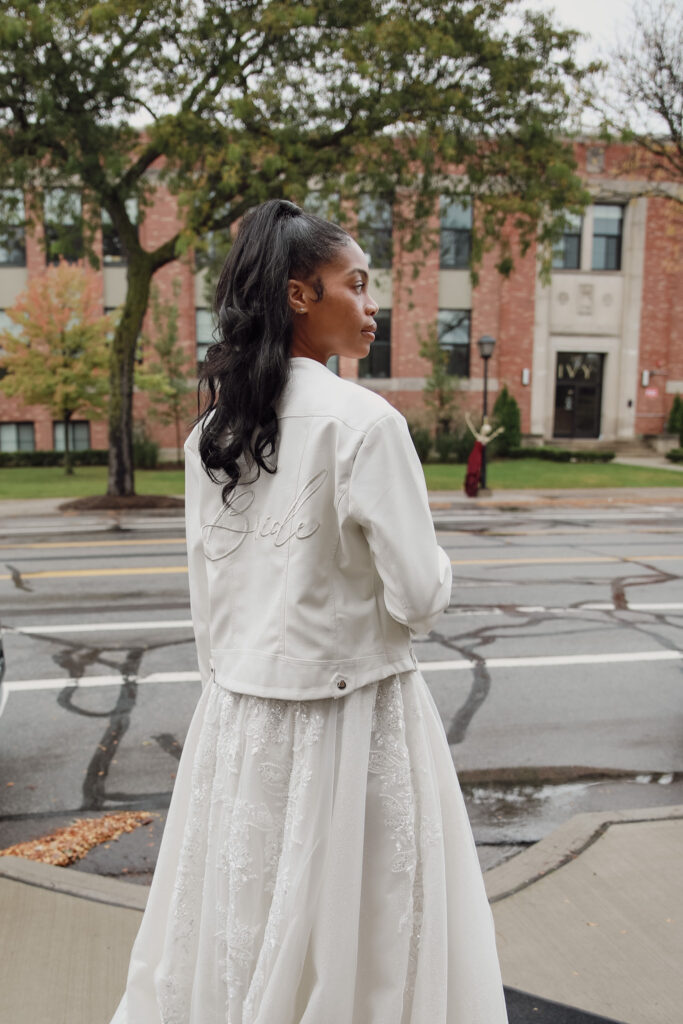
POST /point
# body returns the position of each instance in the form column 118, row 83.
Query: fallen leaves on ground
column 66, row 845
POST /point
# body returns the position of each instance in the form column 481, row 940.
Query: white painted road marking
column 88, row 682
column 155, row 624
column 100, row 627
column 460, row 664
column 604, row 606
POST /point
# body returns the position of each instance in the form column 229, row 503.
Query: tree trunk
column 68, row 468
column 121, row 371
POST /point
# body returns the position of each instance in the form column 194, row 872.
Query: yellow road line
column 56, row 574
column 59, row 574
column 91, row 544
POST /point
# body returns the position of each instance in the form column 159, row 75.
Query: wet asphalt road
column 556, row 670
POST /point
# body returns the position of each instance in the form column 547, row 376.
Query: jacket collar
column 307, row 363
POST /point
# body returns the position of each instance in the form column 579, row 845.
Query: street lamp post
column 486, row 345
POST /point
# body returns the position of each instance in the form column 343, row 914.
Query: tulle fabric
column 317, row 867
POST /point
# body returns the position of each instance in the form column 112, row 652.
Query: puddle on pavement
column 523, row 814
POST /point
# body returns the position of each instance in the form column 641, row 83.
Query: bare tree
column 642, row 97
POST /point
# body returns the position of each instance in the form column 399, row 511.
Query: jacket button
column 341, row 685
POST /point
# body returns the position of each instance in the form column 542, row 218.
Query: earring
column 301, row 310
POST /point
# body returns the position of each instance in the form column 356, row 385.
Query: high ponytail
column 246, row 369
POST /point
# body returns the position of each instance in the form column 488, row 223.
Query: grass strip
column 519, row 474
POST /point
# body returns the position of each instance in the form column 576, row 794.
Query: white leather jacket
column 312, row 580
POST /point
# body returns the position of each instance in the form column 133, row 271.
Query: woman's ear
column 296, row 293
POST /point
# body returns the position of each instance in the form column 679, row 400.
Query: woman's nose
column 372, row 306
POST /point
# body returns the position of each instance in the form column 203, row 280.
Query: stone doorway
column 578, row 394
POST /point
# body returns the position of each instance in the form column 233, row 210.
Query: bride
column 317, row 865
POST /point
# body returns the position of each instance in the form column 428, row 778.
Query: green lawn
column 518, row 474
column 52, row 482
column 529, row 474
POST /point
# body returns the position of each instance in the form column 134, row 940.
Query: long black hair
column 246, row 369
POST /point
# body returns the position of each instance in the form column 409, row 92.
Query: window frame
column 376, row 230
column 456, row 348
column 560, row 250
column 75, row 445
column 54, row 233
column 13, row 230
column 607, row 236
column 18, row 424
column 459, row 235
column 200, row 354
column 380, row 350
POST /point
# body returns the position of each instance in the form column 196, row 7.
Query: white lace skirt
column 317, row 867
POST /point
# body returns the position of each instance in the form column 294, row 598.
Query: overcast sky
column 601, row 20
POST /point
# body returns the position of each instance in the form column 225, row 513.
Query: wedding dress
column 317, row 867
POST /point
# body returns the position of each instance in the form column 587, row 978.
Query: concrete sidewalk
column 590, row 920
column 36, row 514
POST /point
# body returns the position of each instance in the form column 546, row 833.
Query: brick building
column 595, row 354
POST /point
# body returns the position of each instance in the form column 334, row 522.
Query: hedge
column 560, row 455
column 456, row 447
column 87, row 457
column 675, row 455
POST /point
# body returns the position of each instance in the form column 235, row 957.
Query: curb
column 563, row 845
column 439, row 501
column 78, row 884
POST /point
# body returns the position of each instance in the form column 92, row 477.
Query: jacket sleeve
column 388, row 498
column 196, row 564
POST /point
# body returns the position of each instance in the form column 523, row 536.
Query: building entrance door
column 578, row 394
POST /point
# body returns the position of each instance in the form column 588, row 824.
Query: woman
column 317, row 865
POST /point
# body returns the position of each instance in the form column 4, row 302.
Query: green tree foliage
column 227, row 104
column 506, row 414
column 421, row 439
column 57, row 352
column 674, row 424
column 439, row 389
column 164, row 373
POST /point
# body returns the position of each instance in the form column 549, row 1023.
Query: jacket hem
column 270, row 675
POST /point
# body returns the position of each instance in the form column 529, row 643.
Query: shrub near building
column 506, row 414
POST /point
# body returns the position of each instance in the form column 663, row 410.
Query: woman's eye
column 359, row 286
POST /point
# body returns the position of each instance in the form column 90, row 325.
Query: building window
column 322, row 205
column 456, row 234
column 17, row 437
column 113, row 252
column 12, row 233
column 375, row 230
column 607, row 227
column 567, row 252
column 63, row 224
column 377, row 363
column 79, row 436
column 454, row 336
column 204, row 326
